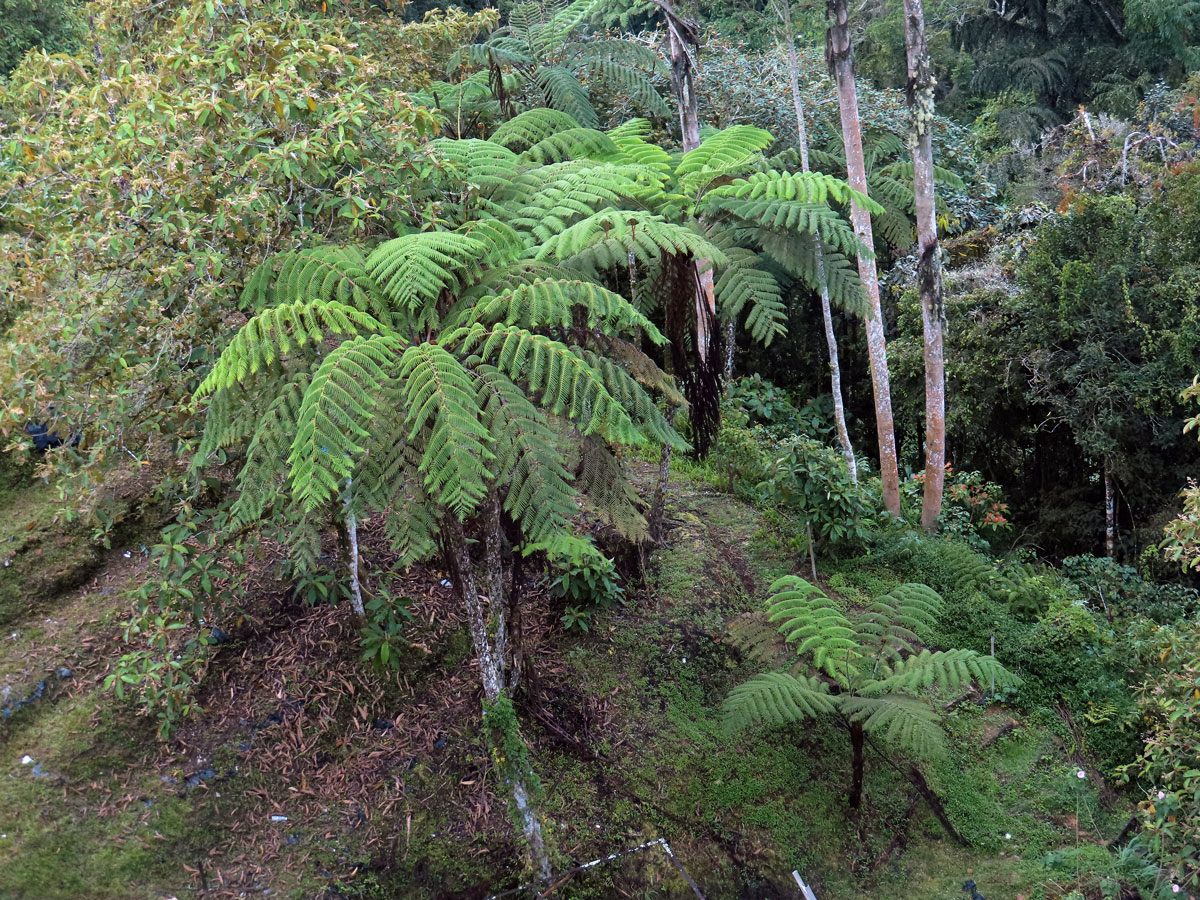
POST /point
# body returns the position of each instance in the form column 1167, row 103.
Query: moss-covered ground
column 385, row 783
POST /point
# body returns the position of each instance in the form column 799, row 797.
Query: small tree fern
column 865, row 666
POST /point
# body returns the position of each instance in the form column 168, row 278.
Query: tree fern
column 745, row 286
column 876, row 673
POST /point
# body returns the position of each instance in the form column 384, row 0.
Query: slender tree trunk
column 1110, row 512
column 840, row 55
column 491, row 671
column 351, row 526
column 494, row 570
column 856, row 744
column 659, row 503
column 921, row 84
column 835, row 369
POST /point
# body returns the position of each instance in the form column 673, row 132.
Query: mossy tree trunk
column 856, row 778
column 921, row 84
column 487, row 630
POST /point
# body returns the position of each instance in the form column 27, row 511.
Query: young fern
column 865, row 666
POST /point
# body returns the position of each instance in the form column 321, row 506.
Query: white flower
column 1174, row 889
column 1162, row 796
column 1007, row 836
column 1081, row 774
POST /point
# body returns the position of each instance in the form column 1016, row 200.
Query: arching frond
column 775, row 698
column 726, row 150
column 948, row 669
column 744, row 286
column 271, row 334
column 805, row 616
column 336, row 414
column 486, row 166
column 523, row 131
column 540, row 495
column 413, row 271
column 807, row 187
column 573, row 143
column 605, row 240
column 554, row 303
column 907, row 723
column 606, row 488
column 317, row 273
column 440, row 407
column 564, row 382
column 565, row 92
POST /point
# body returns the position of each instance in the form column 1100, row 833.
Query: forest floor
column 311, row 775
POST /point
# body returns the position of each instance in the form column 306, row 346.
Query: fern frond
column 629, row 79
column 540, row 495
column 415, row 269
column 725, row 150
column 566, row 384
column 743, row 284
column 574, row 143
column 262, row 476
column 775, row 698
column 317, row 273
column 907, row 723
column 472, row 163
column 646, row 415
column 807, row 187
column 641, row 367
column 949, row 669
column 441, row 409
column 523, row 131
column 607, row 490
column 554, row 303
column 271, row 334
column 804, row 614
column 605, row 240
column 797, row 255
column 895, row 623
column 338, row 408
column 563, row 91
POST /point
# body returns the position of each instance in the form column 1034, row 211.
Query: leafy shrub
column 1120, row 590
column 812, row 481
column 382, row 638
column 972, row 509
column 583, row 577
column 762, row 402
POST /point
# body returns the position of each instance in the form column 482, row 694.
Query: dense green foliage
column 427, row 313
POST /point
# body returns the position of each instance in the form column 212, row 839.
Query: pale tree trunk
column 1110, row 512
column 835, row 369
column 351, row 523
column 921, row 84
column 840, row 55
column 489, row 653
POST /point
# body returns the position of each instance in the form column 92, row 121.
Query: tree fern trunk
column 659, row 503
column 840, row 55
column 494, row 571
column 491, row 674
column 856, row 783
column 683, row 36
column 835, row 368
column 929, row 264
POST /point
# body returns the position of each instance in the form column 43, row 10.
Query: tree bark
column 483, row 629
column 835, row 369
column 1110, row 512
column 839, row 53
column 356, row 600
column 921, row 84
column 856, row 744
